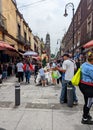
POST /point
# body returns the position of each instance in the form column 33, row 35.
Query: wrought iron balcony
column 3, row 22
column 21, row 39
column 27, row 43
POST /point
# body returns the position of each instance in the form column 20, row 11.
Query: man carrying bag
column 67, row 68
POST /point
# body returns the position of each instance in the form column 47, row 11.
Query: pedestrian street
column 39, row 108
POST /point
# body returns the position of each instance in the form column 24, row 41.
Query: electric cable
column 23, row 6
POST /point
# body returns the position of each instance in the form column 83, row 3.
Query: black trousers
column 87, row 92
column 59, row 80
column 20, row 76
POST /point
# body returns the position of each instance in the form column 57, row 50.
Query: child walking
column 42, row 74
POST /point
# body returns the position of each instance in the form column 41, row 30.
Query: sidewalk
column 39, row 109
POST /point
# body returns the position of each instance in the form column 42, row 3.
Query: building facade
column 14, row 30
column 83, row 27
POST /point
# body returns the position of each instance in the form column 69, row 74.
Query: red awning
column 4, row 46
column 89, row 44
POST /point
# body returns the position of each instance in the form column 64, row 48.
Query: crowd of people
column 54, row 72
column 67, row 69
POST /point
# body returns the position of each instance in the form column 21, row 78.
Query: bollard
column 17, row 95
column 0, row 79
column 69, row 95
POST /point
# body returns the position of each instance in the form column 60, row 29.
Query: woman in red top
column 27, row 69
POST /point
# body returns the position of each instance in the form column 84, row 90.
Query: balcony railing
column 27, row 43
column 21, row 39
column 3, row 22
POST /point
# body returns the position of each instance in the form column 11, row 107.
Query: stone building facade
column 14, row 29
column 83, row 27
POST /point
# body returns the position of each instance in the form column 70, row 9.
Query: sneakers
column 87, row 121
column 61, row 102
column 75, row 103
column 89, row 117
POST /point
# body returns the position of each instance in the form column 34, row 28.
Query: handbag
column 76, row 78
column 55, row 74
column 59, row 75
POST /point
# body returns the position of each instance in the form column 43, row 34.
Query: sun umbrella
column 36, row 57
column 30, row 53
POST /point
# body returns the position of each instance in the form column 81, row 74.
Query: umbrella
column 36, row 57
column 89, row 44
column 30, row 53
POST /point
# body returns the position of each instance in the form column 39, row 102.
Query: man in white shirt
column 20, row 71
column 67, row 68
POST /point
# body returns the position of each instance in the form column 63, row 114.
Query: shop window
column 29, row 40
column 79, row 16
column 25, row 37
column 89, row 24
column 19, row 30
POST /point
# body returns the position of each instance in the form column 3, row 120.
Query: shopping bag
column 55, row 74
column 59, row 75
column 76, row 78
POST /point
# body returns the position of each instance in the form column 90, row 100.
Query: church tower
column 47, row 45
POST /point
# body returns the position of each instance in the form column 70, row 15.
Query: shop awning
column 8, row 49
column 4, row 46
column 89, row 44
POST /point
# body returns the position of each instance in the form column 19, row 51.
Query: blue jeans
column 4, row 75
column 64, row 90
column 27, row 75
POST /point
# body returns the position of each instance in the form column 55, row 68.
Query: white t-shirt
column 69, row 66
column 20, row 67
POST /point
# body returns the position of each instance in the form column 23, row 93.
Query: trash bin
column 69, row 95
column 17, row 94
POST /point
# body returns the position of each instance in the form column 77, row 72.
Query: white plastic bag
column 38, row 78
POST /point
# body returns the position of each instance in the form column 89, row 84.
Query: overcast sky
column 46, row 16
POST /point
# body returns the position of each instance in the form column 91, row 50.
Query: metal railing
column 28, row 43
column 21, row 38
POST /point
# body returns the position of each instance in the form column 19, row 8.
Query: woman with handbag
column 86, row 87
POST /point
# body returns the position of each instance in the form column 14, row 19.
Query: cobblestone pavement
column 39, row 108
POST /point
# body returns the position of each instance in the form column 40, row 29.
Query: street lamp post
column 71, row 5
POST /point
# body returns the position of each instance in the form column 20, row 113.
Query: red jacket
column 31, row 67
